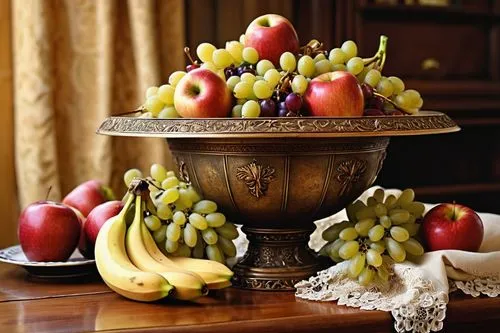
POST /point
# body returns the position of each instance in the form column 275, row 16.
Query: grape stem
column 284, row 82
column 379, row 58
column 313, row 48
column 150, row 182
column 188, row 54
column 140, row 109
column 388, row 100
column 382, row 51
column 368, row 61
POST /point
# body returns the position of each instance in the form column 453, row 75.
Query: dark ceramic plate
column 76, row 265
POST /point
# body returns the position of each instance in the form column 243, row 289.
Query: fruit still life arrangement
column 131, row 263
column 267, row 74
column 163, row 239
column 180, row 222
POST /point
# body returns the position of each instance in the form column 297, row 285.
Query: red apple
column 81, row 219
column 88, row 195
column 271, row 35
column 452, row 226
column 334, row 94
column 93, row 224
column 48, row 231
column 202, row 94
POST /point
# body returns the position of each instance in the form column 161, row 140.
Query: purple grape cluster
column 238, row 71
column 289, row 104
column 375, row 105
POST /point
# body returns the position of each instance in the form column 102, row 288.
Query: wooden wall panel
column 230, row 21
column 8, row 202
column 218, row 21
column 200, row 22
column 322, row 24
column 495, row 52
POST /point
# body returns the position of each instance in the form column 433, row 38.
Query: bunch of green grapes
column 383, row 226
column 181, row 222
column 260, row 88
column 265, row 89
column 382, row 93
column 159, row 101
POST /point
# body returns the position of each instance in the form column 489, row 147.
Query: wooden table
column 30, row 305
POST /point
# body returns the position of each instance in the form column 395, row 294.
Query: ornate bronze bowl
column 276, row 176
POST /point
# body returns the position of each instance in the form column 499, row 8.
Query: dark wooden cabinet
column 450, row 54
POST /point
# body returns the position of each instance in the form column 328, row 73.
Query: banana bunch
column 130, row 262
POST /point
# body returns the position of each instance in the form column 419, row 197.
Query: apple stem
column 188, row 54
column 454, row 211
column 48, row 193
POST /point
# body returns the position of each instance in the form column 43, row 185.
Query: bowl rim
column 421, row 123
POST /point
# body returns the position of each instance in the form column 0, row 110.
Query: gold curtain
column 8, row 202
column 77, row 62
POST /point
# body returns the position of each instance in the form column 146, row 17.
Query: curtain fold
column 8, row 195
column 76, row 63
column 36, row 157
column 105, row 35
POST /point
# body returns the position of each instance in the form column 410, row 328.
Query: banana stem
column 139, row 187
column 126, row 206
column 126, row 196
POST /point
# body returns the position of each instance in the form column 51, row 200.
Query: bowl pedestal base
column 276, row 259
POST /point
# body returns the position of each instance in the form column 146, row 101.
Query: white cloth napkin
column 417, row 293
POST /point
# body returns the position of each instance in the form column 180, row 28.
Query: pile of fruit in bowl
column 266, row 73
column 164, row 239
column 317, row 126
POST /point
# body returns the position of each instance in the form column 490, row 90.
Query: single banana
column 213, row 272
column 188, row 285
column 116, row 269
column 215, row 275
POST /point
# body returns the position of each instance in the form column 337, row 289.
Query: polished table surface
column 83, row 305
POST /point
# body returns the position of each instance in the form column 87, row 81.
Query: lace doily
column 413, row 301
column 241, row 244
column 476, row 287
